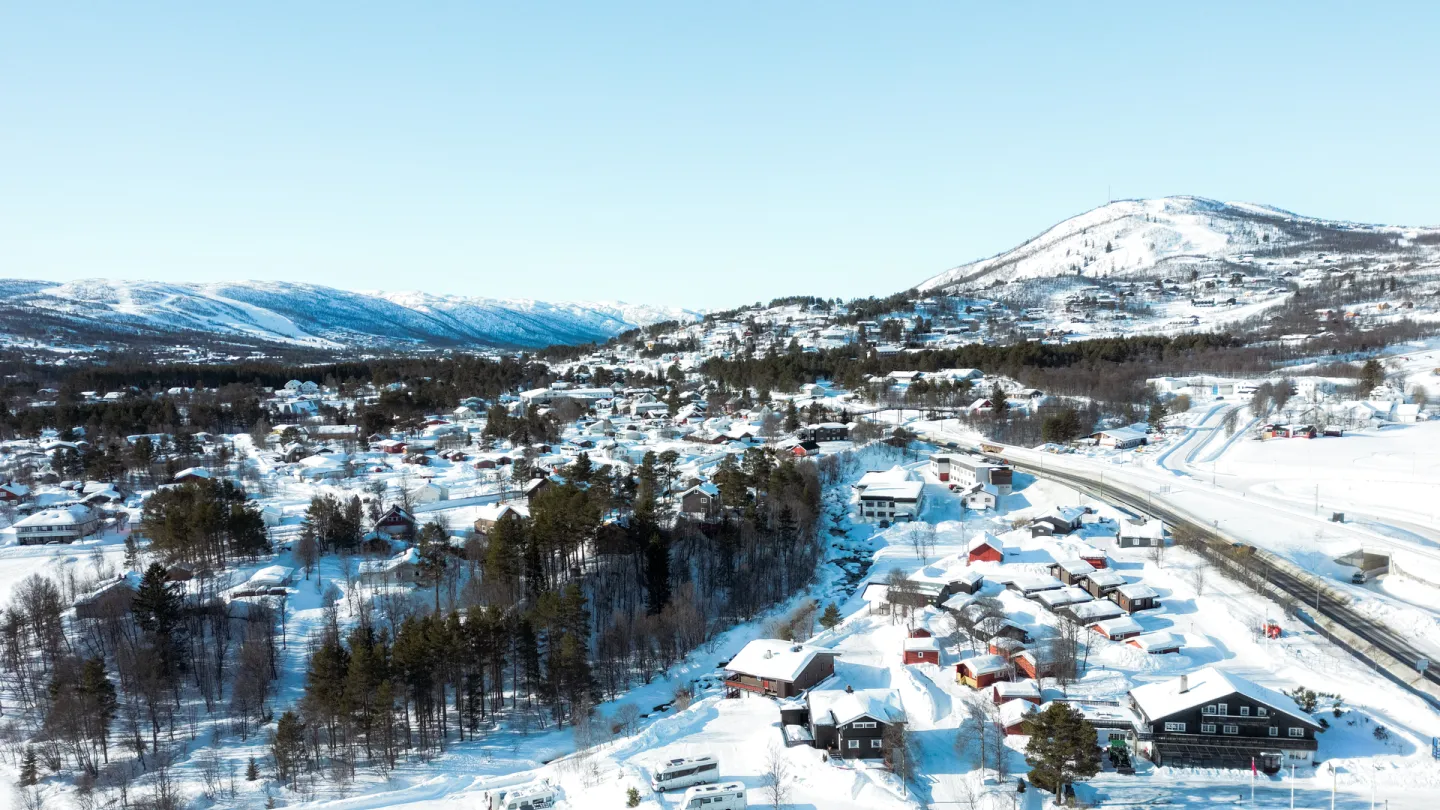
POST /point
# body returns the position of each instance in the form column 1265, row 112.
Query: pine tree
column 287, row 747
column 132, row 553
column 830, row 617
column 1061, row 748
column 632, row 797
column 29, row 768
column 252, row 770
column 433, row 557
column 157, row 607
column 98, row 695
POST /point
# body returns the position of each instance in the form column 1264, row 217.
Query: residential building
column 64, row 524
column 1214, row 719
column 778, row 668
column 852, row 723
column 889, row 495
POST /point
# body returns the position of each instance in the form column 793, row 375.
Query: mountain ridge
column 307, row 315
column 1150, row 236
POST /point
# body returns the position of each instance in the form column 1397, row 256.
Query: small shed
column 921, row 648
column 1136, row 596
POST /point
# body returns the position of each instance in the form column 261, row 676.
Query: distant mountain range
column 102, row 312
column 1173, row 236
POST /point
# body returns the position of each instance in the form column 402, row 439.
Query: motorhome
column 538, row 796
column 724, row 796
column 677, row 774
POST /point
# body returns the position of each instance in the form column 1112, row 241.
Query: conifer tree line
column 534, row 622
column 542, row 617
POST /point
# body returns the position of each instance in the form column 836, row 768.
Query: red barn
column 921, row 648
column 986, row 548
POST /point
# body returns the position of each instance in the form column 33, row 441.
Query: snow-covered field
column 1218, row 625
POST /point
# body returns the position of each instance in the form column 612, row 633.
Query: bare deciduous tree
column 775, row 778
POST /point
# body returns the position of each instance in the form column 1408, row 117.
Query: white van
column 527, row 797
column 678, row 774
column 724, row 796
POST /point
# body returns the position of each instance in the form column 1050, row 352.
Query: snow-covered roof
column 1120, row 626
column 1014, row 712
column 1208, row 685
column 774, row 659
column 1137, row 590
column 63, row 516
column 838, row 707
column 1036, row 583
column 958, row 602
column 1096, row 610
column 922, row 644
column 875, row 592
column 1157, row 641
column 1076, row 567
column 192, row 472
column 985, row 539
column 1105, row 578
column 983, row 664
column 1025, row 688
column 1148, row 529
column 495, row 511
column 1068, row 595
column 271, row 576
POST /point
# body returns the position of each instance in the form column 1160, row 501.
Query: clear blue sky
column 684, row 153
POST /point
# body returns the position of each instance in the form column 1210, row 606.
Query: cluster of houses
column 64, row 512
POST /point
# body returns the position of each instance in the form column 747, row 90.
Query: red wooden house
column 981, row 671
column 986, row 548
column 922, row 648
column 1029, row 666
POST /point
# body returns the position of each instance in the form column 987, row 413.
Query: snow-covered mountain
column 1174, row 235
column 308, row 315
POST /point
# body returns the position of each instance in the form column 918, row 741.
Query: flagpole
column 1292, row 784
column 1252, row 780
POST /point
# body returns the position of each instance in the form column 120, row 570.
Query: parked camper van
column 678, row 774
column 538, row 796
column 724, row 796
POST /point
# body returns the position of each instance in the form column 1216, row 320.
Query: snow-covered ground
column 1218, row 624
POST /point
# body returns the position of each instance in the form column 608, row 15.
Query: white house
column 889, row 495
column 65, row 524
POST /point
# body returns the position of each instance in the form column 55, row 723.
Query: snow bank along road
column 1372, row 643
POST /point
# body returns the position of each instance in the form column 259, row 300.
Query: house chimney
column 849, row 690
column 769, row 654
column 1184, row 684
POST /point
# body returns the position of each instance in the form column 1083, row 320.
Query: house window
column 1207, row 728
column 1224, row 709
column 1244, row 711
column 1208, row 709
column 875, row 743
column 862, row 724
column 1260, row 710
column 1274, row 732
column 1297, row 732
column 1174, row 726
column 854, row 743
column 1232, row 729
